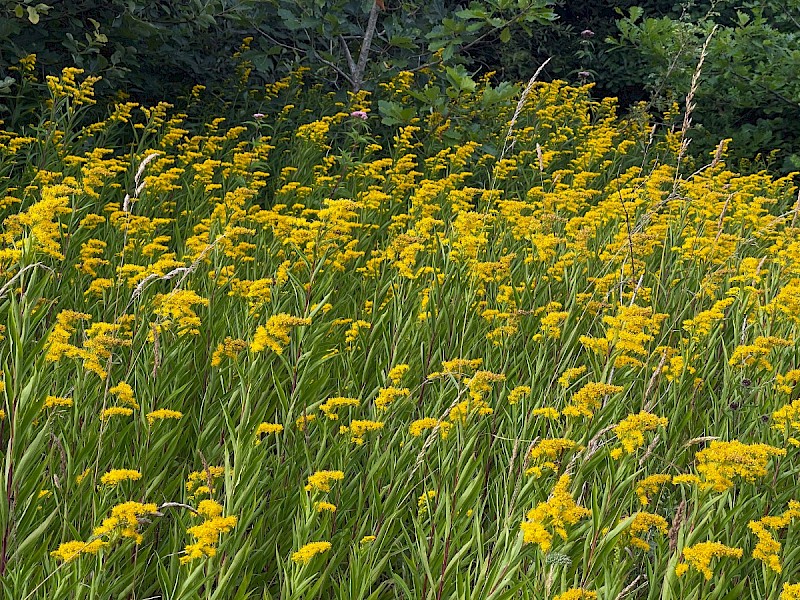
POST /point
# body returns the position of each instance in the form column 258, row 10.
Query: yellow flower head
column 722, row 462
column 419, row 426
column 518, row 393
column 650, row 485
column 790, row 591
column 116, row 476
column 577, row 594
column 202, row 482
column 396, row 373
column 552, row 517
column 321, row 480
column 162, row 414
column 266, row 429
column 332, row 405
column 700, row 555
column 56, row 401
column 388, row 395
column 324, row 507
column 630, row 432
column 115, row 411
column 546, row 452
column 588, row 399
column 642, row 523
column 275, row 334
column 71, row 550
column 309, row 551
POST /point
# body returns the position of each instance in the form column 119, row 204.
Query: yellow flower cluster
column 388, row 395
column 230, row 348
column 162, row 414
column 304, row 555
column 702, row 324
column 275, row 334
column 124, row 394
column 790, row 591
column 787, row 420
column 303, row 421
column 116, row 476
column 767, row 549
column 700, row 555
column 570, row 375
column 589, row 398
column 98, row 347
column 627, row 334
column 57, row 401
column 202, row 482
column 786, row 382
column 577, row 594
column 67, row 87
column 396, row 373
column 115, row 411
column 331, row 406
column 641, row 525
column 480, row 384
column 722, row 462
column 461, row 411
column 126, row 518
column 324, row 507
column 425, row 500
column 68, row 551
column 650, row 485
column 630, row 432
column 176, row 311
column 266, row 429
column 207, row 533
column 755, row 354
column 358, row 428
column 551, row 517
column 418, row 427
column 518, row 393
column 321, row 480
column 546, row 452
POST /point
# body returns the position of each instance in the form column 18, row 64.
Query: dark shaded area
column 152, row 51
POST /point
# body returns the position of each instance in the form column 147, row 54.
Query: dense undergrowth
column 521, row 351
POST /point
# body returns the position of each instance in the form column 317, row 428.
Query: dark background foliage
column 637, row 50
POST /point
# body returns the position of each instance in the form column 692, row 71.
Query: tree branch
column 358, row 75
column 350, row 62
column 347, row 77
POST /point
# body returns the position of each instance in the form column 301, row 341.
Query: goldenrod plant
column 297, row 357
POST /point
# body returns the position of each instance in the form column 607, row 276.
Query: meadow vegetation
column 520, row 347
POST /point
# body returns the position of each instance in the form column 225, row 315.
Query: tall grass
column 489, row 356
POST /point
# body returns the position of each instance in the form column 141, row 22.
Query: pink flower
column 359, row 114
column 259, row 115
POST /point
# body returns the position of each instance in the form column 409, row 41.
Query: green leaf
column 460, row 79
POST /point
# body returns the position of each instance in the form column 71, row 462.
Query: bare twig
column 176, row 505
column 350, row 62
column 358, row 74
column 629, row 588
